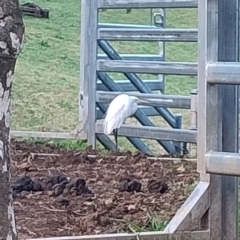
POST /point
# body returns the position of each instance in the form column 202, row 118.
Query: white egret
column 120, row 108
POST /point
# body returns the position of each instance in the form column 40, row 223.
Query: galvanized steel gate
column 94, row 95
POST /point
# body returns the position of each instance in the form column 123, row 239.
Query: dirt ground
column 74, row 193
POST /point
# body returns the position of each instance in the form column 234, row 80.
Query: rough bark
column 11, row 41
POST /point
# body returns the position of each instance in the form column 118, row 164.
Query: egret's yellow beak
column 142, row 101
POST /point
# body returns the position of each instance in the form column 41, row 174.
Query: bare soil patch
column 76, row 193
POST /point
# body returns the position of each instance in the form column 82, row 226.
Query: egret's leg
column 115, row 132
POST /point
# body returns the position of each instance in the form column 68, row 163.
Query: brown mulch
column 76, row 194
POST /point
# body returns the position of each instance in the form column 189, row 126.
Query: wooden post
column 88, row 71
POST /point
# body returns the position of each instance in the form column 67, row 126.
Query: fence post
column 88, row 69
column 228, row 47
column 218, row 111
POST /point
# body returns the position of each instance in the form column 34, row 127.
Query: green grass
column 153, row 223
column 45, row 91
column 67, row 144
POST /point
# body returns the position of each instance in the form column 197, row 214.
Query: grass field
column 45, row 92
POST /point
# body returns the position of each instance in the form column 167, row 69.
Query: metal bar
column 139, row 115
column 148, row 111
column 135, row 57
column 159, row 34
column 223, row 73
column 122, row 25
column 156, row 100
column 106, row 142
column 59, row 135
column 226, row 163
column 147, row 4
column 167, row 134
column 127, row 86
column 150, row 67
column 32, row 134
column 136, row 81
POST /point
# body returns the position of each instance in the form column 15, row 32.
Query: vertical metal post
column 218, row 111
column 209, row 110
column 228, row 51
column 88, row 71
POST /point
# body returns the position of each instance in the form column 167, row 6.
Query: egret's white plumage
column 121, row 107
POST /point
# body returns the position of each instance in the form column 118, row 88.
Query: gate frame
column 92, row 67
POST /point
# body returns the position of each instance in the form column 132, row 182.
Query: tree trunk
column 11, row 41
